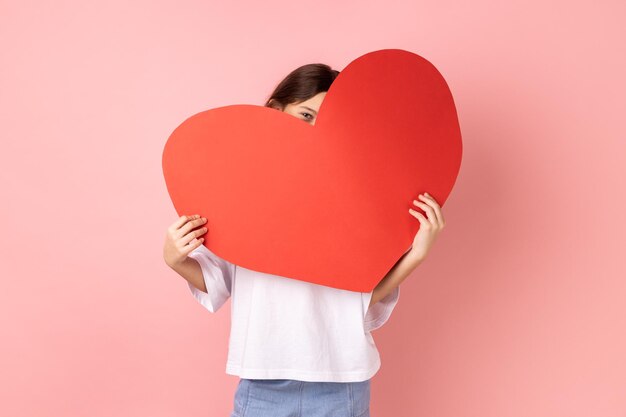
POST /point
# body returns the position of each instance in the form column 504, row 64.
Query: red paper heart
column 326, row 204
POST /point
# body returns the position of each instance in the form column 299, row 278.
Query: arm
column 191, row 271
column 182, row 238
column 400, row 271
column 430, row 227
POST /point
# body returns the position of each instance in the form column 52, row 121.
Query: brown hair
column 301, row 84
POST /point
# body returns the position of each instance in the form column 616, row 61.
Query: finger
column 430, row 197
column 187, row 249
column 431, row 201
column 419, row 216
column 194, row 234
column 430, row 212
column 178, row 223
column 192, row 224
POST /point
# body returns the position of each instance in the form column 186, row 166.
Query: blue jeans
column 291, row 398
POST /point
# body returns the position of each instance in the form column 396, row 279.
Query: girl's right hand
column 182, row 238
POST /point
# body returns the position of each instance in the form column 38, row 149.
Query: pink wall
column 518, row 311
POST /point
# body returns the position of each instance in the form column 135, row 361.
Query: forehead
column 314, row 102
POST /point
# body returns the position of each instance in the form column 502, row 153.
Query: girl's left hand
column 429, row 227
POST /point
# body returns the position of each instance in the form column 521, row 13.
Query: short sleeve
column 376, row 315
column 218, row 277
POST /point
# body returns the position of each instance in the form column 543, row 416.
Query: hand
column 182, row 238
column 429, row 227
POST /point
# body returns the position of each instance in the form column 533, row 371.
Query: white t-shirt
column 284, row 328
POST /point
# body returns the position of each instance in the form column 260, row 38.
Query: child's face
column 306, row 110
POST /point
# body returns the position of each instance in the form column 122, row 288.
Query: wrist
column 414, row 257
column 178, row 265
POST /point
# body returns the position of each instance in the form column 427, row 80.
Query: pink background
column 518, row 311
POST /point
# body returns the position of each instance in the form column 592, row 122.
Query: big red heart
column 326, row 204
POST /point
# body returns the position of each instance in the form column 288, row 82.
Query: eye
column 307, row 114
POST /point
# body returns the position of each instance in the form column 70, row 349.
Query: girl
column 300, row 349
